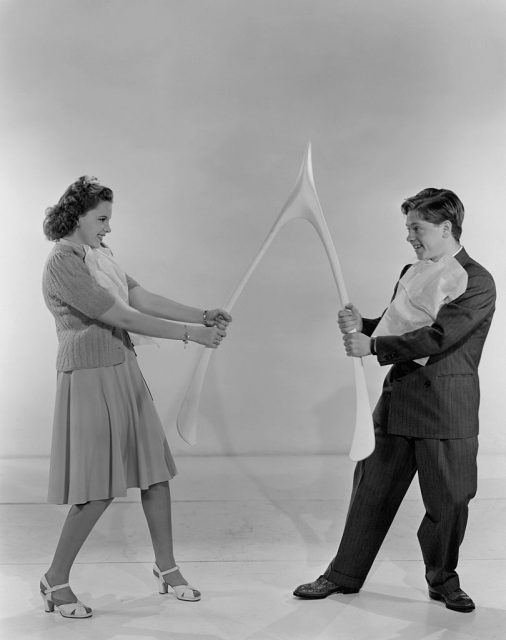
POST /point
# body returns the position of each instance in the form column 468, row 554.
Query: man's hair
column 436, row 206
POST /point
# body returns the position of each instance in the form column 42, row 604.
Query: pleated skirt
column 107, row 435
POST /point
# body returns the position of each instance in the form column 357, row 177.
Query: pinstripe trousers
column 447, row 475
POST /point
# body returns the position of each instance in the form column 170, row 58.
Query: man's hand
column 357, row 344
column 349, row 319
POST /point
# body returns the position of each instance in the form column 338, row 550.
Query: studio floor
column 247, row 531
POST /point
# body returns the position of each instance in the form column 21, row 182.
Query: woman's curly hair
column 81, row 196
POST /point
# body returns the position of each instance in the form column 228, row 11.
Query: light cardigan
column 76, row 300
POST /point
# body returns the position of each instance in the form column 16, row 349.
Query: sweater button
column 426, row 384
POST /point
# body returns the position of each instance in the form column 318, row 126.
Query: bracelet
column 186, row 336
column 204, row 317
column 372, row 346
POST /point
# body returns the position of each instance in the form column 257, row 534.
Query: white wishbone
column 303, row 202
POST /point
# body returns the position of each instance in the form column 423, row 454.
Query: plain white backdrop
column 197, row 114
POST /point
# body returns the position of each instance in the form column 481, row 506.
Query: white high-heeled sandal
column 182, row 591
column 67, row 610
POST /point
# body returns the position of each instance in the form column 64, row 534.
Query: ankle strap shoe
column 68, row 609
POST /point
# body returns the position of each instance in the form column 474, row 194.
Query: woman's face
column 94, row 225
column 429, row 240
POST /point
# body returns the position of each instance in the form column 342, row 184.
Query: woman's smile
column 94, row 225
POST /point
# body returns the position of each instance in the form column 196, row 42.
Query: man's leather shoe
column 321, row 588
column 457, row 600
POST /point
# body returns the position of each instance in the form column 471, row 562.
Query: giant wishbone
column 302, row 203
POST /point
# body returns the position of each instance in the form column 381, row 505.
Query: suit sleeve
column 454, row 324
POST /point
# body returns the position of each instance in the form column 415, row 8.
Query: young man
column 426, row 420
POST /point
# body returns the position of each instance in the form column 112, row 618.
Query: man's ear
column 447, row 228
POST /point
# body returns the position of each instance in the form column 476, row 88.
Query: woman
column 107, row 436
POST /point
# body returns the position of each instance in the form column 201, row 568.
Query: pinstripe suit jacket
column 441, row 399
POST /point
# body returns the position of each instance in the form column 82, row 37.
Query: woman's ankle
column 175, row 577
column 165, row 564
column 54, row 577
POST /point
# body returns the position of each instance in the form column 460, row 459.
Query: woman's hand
column 208, row 336
column 349, row 319
column 217, row 317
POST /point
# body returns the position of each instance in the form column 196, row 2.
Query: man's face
column 429, row 240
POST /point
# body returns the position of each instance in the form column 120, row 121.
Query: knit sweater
column 76, row 300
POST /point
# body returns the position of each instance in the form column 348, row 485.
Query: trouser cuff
column 343, row 580
column 445, row 588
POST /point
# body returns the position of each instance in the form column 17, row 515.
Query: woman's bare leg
column 80, row 521
column 157, row 509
